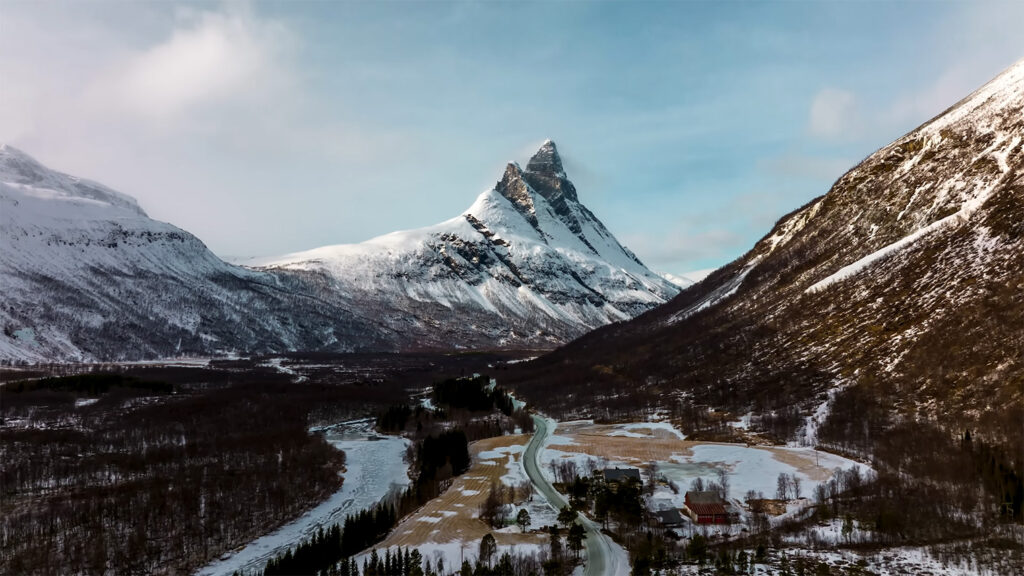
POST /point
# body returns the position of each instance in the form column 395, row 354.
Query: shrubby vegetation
column 160, row 470
column 154, row 483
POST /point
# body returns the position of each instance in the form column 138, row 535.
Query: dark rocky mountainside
column 903, row 285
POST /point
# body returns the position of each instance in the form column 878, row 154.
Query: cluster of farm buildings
column 702, row 507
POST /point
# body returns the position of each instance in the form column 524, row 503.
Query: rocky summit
column 527, row 265
column 87, row 275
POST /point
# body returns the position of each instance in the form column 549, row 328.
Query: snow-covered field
column 640, row 444
column 375, row 466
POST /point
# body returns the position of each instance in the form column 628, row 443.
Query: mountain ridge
column 88, row 275
column 524, row 249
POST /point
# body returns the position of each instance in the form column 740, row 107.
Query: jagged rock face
column 906, row 278
column 513, row 187
column 545, row 177
column 527, row 265
column 86, row 275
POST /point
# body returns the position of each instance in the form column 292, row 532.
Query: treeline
column 958, row 487
column 26, row 395
column 475, row 394
column 90, row 384
column 330, row 550
column 395, row 417
column 323, row 549
column 480, row 409
column 411, row 562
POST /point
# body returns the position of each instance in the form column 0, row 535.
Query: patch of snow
column 651, row 426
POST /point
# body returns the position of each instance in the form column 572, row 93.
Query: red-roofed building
column 706, row 508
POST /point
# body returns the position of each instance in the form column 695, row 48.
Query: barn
column 706, row 508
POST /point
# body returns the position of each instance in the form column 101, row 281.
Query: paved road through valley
column 604, row 557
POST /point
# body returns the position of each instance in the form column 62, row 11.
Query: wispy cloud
column 210, row 58
column 833, row 114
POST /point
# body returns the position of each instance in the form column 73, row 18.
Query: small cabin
column 621, row 475
column 670, row 518
column 706, row 508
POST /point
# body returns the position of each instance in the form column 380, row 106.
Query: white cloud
column 833, row 114
column 214, row 58
column 69, row 79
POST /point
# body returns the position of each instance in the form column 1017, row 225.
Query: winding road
column 604, row 557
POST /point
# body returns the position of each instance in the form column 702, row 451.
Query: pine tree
column 523, row 520
column 415, row 563
column 487, row 549
column 575, row 538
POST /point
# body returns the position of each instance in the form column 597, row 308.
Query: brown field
column 593, row 439
column 452, row 516
column 660, row 446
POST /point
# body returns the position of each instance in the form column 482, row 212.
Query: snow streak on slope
column 987, row 111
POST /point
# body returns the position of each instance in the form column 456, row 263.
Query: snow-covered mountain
column 526, row 265
column 681, row 281
column 86, row 275
column 906, row 279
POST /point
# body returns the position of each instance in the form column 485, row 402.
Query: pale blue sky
column 689, row 128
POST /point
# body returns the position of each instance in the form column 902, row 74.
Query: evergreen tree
column 487, row 549
column 523, row 520
column 566, row 516
column 575, row 538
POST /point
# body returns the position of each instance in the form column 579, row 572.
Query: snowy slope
column 680, row 281
column 86, row 275
column 526, row 263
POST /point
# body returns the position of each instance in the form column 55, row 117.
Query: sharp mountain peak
column 546, row 161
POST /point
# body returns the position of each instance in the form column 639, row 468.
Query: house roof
column 669, row 517
column 621, row 474
column 707, row 509
column 705, row 497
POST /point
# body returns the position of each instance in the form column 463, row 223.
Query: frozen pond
column 375, row 466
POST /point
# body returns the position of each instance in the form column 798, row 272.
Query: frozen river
column 375, row 466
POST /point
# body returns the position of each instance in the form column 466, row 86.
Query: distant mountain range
column 905, row 280
column 86, row 275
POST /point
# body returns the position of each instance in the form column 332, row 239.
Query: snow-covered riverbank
column 375, row 465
